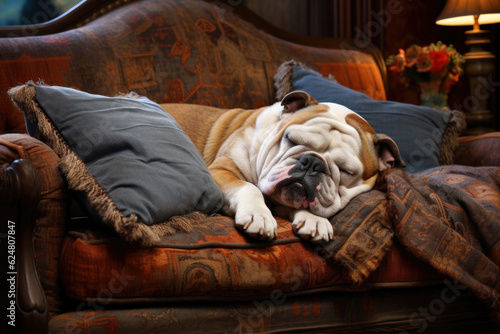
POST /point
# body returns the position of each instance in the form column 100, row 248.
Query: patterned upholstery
column 195, row 52
column 483, row 150
column 377, row 311
column 213, row 260
column 170, row 51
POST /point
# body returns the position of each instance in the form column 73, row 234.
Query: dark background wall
column 388, row 24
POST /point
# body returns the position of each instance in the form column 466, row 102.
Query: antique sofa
column 388, row 270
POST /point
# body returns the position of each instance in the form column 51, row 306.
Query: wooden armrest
column 19, row 198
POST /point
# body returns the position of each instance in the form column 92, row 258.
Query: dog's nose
column 312, row 164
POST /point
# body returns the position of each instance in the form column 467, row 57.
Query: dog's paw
column 312, row 228
column 257, row 222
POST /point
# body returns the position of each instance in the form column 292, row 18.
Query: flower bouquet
column 434, row 68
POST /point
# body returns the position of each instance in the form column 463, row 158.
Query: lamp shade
column 461, row 12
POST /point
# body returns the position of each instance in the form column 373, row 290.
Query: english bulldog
column 305, row 159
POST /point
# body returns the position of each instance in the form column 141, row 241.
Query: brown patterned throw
column 449, row 217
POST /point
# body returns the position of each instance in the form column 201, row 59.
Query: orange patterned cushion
column 214, row 261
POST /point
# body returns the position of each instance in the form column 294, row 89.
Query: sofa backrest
column 171, row 51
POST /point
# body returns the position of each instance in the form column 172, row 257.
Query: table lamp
column 479, row 62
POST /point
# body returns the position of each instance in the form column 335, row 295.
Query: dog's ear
column 388, row 152
column 296, row 100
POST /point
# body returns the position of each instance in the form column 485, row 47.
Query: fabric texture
column 373, row 311
column 213, row 260
column 127, row 161
column 446, row 218
column 171, row 51
column 482, row 150
column 52, row 212
column 193, row 52
column 425, row 136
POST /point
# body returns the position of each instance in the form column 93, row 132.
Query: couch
column 419, row 253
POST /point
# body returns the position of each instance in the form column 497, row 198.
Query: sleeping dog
column 306, row 160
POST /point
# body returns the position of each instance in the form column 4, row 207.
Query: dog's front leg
column 244, row 201
column 307, row 225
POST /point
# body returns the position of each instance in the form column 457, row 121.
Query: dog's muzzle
column 300, row 188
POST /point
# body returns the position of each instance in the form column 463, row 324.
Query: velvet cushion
column 425, row 136
column 127, row 161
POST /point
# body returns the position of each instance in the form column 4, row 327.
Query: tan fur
column 303, row 116
column 188, row 117
column 238, row 155
column 209, row 131
column 368, row 155
column 308, row 99
column 225, row 179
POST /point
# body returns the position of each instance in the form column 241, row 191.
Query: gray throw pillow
column 127, row 160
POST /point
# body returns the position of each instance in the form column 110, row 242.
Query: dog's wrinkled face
column 320, row 156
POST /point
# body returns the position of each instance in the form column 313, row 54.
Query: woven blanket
column 448, row 217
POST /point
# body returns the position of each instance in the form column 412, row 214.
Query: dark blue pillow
column 417, row 130
column 129, row 159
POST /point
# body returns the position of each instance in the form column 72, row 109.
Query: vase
column 431, row 95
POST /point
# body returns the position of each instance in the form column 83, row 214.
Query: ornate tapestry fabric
column 214, row 261
column 447, row 217
column 326, row 312
column 482, row 150
column 363, row 235
column 171, row 51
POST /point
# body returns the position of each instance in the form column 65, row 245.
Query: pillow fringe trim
column 283, row 78
column 80, row 179
column 449, row 138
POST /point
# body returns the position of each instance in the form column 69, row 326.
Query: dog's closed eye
column 346, row 171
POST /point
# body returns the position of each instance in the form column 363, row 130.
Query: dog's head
column 320, row 156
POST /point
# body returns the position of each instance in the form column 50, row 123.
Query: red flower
column 424, row 61
column 412, row 54
column 439, row 61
